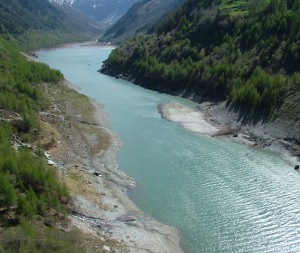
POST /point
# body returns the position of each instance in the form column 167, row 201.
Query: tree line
column 20, row 84
column 30, row 191
column 248, row 57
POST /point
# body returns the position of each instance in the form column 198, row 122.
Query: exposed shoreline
column 216, row 121
column 85, row 150
column 113, row 218
column 90, row 43
column 188, row 118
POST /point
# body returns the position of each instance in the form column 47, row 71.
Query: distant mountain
column 107, row 11
column 44, row 22
column 140, row 18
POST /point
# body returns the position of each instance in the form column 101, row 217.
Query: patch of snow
column 69, row 2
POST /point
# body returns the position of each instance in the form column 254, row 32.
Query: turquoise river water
column 221, row 196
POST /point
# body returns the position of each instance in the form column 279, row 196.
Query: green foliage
column 20, row 84
column 17, row 16
column 244, row 51
column 38, row 23
column 36, row 39
column 8, row 194
column 27, row 181
column 28, row 237
column 30, row 192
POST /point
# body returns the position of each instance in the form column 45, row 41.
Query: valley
column 169, row 126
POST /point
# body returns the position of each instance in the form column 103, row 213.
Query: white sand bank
column 188, row 118
column 227, row 125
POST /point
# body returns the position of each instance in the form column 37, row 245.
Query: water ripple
column 222, row 196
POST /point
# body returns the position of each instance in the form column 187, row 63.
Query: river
column 222, row 196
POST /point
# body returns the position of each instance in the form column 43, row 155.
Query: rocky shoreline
column 80, row 142
column 215, row 120
column 280, row 134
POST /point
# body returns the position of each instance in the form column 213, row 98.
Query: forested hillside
column 32, row 198
column 141, row 17
column 30, row 192
column 37, row 23
column 246, row 52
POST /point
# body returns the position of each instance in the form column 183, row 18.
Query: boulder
column 106, row 248
column 126, row 218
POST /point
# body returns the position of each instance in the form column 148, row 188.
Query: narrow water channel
column 222, row 196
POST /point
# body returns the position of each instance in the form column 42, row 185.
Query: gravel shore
column 80, row 142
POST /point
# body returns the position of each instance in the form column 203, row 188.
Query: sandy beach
column 188, row 118
column 79, row 141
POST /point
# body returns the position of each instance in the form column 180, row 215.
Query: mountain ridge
column 40, row 23
column 141, row 17
column 105, row 11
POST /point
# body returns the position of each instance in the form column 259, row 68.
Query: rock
column 52, row 212
column 60, row 216
column 224, row 131
column 126, row 218
column 64, row 200
column 106, row 248
column 51, row 163
column 297, row 167
column 47, row 155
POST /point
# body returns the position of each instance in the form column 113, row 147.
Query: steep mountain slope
column 30, row 190
column 107, row 11
column 202, row 50
column 243, row 52
column 34, row 200
column 44, row 22
column 140, row 18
